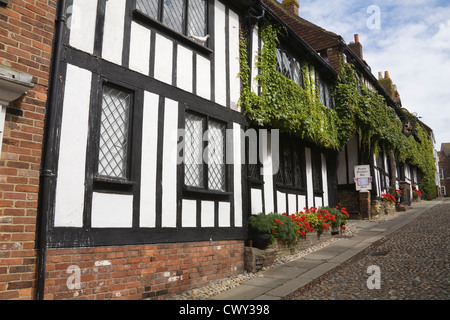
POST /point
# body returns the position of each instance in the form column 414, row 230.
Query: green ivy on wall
column 359, row 111
column 282, row 103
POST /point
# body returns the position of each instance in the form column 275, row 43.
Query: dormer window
column 188, row 17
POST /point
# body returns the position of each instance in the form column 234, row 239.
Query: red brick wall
column 140, row 272
column 26, row 35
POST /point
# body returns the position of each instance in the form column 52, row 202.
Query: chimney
column 356, row 47
column 291, row 5
column 386, row 74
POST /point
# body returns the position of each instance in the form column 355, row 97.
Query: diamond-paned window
column 216, row 156
column 204, row 153
column 188, row 17
column 289, row 66
column 291, row 172
column 114, row 129
column 193, row 155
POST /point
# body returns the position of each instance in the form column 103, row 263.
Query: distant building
column 444, row 168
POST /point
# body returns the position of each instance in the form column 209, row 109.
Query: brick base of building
column 139, row 272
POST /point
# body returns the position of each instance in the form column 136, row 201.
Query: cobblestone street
column 414, row 263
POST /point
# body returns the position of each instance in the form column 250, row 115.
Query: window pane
column 173, row 14
column 197, row 18
column 299, row 171
column 297, row 73
column 149, row 7
column 216, row 156
column 193, row 162
column 287, row 159
column 114, row 133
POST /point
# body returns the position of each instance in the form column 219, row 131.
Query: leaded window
column 114, row 133
column 204, row 153
column 289, row 66
column 316, row 160
column 291, row 171
column 187, row 17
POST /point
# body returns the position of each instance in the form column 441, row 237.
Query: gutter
column 47, row 173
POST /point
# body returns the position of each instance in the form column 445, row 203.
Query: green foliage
column 358, row 111
column 282, row 103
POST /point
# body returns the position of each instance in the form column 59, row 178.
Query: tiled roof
column 317, row 37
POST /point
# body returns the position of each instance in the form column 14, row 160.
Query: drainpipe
column 47, row 174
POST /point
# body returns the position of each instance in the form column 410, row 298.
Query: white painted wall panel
column 163, row 59
column 184, row 68
column 72, row 152
column 257, row 201
column 113, row 31
column 292, row 203
column 112, row 210
column 207, row 214
column 268, row 154
column 254, row 53
column 139, row 48
column 301, row 203
column 237, row 176
column 325, row 180
column 235, row 82
column 318, row 202
column 219, row 54
column 189, row 214
column 309, row 177
column 169, row 163
column 281, row 202
column 224, row 214
column 81, row 22
column 149, row 155
column 203, row 77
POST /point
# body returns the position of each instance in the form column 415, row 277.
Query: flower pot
column 261, row 240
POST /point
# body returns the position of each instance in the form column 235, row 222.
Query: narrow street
column 412, row 263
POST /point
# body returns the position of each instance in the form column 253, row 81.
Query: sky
column 408, row 38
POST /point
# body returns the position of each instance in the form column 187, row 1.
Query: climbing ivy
column 282, row 103
column 358, row 111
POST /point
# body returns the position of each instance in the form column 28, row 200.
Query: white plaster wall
column 163, row 59
column 169, row 163
column 149, row 156
column 184, row 68
column 237, row 177
column 72, row 152
column 203, row 77
column 207, row 216
column 189, row 213
column 256, row 199
column 301, row 203
column 324, row 180
column 139, row 49
column 219, row 54
column 235, row 82
column 309, row 177
column 81, row 22
column 113, row 31
column 254, row 53
column 224, row 214
column 318, row 202
column 112, row 210
column 292, row 203
column 268, row 174
column 281, row 202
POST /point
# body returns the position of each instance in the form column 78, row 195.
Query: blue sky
column 410, row 39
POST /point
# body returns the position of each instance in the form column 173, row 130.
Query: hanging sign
column 363, row 179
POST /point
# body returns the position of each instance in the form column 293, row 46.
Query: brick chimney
column 291, row 5
column 356, row 47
